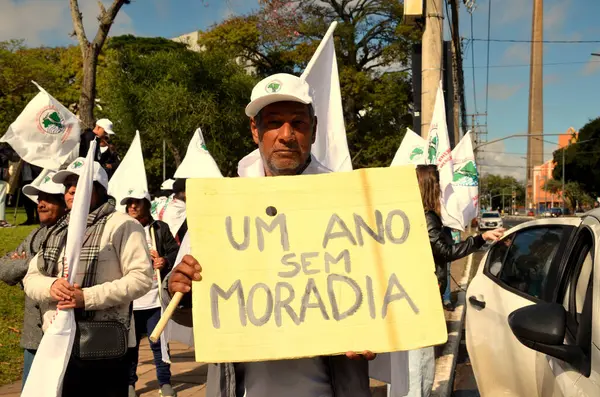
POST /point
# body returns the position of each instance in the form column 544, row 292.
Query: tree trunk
column 88, row 87
column 176, row 154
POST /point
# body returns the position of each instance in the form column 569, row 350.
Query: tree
column 170, row 91
column 58, row 70
column 373, row 49
column 582, row 161
column 497, row 186
column 89, row 54
column 574, row 193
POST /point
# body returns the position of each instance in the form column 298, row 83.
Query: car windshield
column 490, row 215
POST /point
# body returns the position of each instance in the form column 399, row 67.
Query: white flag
column 321, row 74
column 465, row 182
column 52, row 357
column 412, row 150
column 131, row 174
column 45, row 133
column 440, row 154
column 198, row 163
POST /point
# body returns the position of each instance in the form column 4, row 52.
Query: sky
column 571, row 74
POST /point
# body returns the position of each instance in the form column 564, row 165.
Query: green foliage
column 169, row 93
column 574, row 193
column 372, row 46
column 582, row 161
column 57, row 70
column 498, row 185
column 11, row 308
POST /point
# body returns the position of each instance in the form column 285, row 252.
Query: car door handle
column 480, row 303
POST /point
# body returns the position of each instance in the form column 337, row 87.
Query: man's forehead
column 286, row 107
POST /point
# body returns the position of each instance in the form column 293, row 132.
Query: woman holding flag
column 422, row 361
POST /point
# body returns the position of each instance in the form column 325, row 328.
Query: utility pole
column 535, row 146
column 431, row 69
column 460, row 110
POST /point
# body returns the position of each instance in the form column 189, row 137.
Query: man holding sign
column 283, row 125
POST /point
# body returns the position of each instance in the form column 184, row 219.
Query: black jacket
column 112, row 158
column 87, row 136
column 166, row 245
column 444, row 249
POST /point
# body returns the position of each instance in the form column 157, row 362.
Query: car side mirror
column 542, row 327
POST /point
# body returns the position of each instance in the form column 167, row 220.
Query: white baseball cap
column 136, row 194
column 46, row 185
column 167, row 185
column 278, row 88
column 76, row 167
column 107, row 125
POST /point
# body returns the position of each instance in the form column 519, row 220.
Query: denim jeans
column 145, row 321
column 28, row 356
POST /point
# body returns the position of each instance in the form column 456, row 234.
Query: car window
column 490, row 215
column 528, row 260
column 497, row 255
column 577, row 298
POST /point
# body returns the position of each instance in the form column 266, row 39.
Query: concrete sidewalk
column 447, row 354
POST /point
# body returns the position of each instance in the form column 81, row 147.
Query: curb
column 446, row 364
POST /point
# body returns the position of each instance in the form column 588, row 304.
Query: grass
column 11, row 306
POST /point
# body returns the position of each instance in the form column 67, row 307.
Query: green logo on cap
column 77, row 164
column 46, row 179
column 273, row 87
column 130, row 191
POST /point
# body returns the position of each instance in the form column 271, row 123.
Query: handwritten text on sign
column 312, row 265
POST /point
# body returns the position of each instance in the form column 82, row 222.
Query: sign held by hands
column 312, row 265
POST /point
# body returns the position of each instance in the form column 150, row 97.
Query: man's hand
column 183, row 274
column 367, row 355
column 77, row 301
column 61, row 290
column 154, row 254
column 16, row 255
column 159, row 263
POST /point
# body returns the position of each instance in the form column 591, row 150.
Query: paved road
column 464, row 381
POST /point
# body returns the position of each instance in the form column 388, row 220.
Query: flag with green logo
column 412, row 150
column 45, row 133
column 465, row 181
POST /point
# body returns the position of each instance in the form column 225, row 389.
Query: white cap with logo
column 76, row 167
column 136, row 194
column 46, row 185
column 280, row 87
column 107, row 125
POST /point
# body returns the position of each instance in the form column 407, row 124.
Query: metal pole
column 164, row 161
column 564, row 203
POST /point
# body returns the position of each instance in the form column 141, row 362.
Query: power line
column 539, row 41
column 528, row 64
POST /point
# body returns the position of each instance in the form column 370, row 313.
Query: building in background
column 542, row 199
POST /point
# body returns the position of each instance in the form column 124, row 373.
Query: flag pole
column 319, row 49
column 166, row 316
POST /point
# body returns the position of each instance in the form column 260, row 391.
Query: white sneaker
column 167, row 391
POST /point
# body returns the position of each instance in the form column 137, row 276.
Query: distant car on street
column 490, row 220
column 530, row 213
column 533, row 305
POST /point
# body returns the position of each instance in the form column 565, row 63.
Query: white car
column 490, row 220
column 533, row 312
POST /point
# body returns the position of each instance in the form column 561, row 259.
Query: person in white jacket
column 115, row 269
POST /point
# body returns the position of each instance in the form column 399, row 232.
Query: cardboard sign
column 310, row 265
